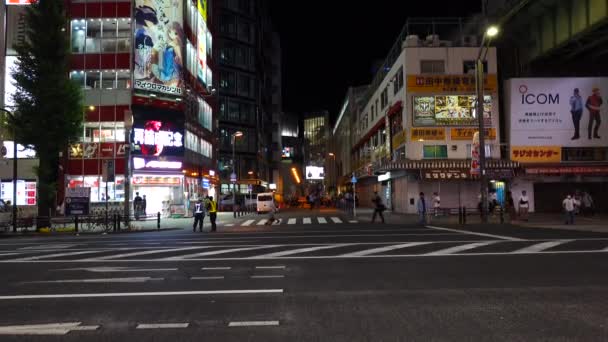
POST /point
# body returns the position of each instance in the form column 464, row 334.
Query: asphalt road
column 324, row 280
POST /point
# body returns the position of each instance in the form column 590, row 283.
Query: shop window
column 116, row 190
column 432, row 67
column 435, row 151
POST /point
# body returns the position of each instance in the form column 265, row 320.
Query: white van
column 265, row 200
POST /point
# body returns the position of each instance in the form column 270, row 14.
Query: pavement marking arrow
column 46, row 329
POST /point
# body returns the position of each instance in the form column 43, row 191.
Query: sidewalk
column 597, row 223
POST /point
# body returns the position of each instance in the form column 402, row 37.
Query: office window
column 228, row 81
column 432, row 67
column 384, row 98
column 228, row 24
column 244, row 85
column 468, row 67
column 108, row 35
column 435, row 151
column 398, row 83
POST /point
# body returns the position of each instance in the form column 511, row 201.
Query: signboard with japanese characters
column 424, row 134
column 157, row 138
column 536, row 154
column 77, row 201
column 467, row 133
column 445, row 174
column 399, row 139
column 449, row 83
column 564, row 112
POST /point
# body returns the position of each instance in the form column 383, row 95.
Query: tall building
column 244, row 42
column 146, row 71
column 316, row 143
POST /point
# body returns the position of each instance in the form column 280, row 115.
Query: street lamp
column 14, row 207
column 490, row 32
column 235, row 135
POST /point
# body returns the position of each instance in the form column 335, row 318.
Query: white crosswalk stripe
column 461, row 248
column 336, row 219
column 321, row 220
column 221, row 251
column 539, row 247
column 291, row 221
column 307, row 220
column 299, row 250
column 261, row 223
column 247, row 223
column 125, row 255
column 56, row 255
column 384, row 249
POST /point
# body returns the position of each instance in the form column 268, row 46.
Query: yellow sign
column 399, row 139
column 449, row 83
column 202, row 9
column 536, row 154
column 420, row 134
column 467, row 133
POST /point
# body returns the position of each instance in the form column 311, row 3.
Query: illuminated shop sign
column 205, row 183
column 156, row 138
column 20, row 2
column 141, row 163
column 449, row 110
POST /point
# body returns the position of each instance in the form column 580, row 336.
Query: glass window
column 78, row 77
column 108, row 79
column 123, row 79
column 468, row 67
column 398, row 82
column 233, row 111
column 384, row 98
column 93, row 79
column 244, row 85
column 93, row 34
column 78, row 35
column 432, row 67
column 434, row 151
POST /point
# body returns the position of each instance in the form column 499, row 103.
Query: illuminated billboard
column 202, row 9
column 20, row 2
column 315, row 172
column 287, row 153
column 201, row 53
column 154, row 138
column 159, row 45
column 449, row 110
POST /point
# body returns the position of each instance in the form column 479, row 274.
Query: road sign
column 353, row 180
column 233, row 177
column 77, row 201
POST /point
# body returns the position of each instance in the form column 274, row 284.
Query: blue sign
column 353, row 180
column 206, row 183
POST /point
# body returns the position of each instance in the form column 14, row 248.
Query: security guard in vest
column 212, row 213
column 199, row 215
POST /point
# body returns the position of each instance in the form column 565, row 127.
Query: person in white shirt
column 524, row 206
column 436, row 203
column 569, row 205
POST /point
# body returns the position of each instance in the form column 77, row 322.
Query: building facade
column 244, row 41
column 415, row 129
column 147, row 73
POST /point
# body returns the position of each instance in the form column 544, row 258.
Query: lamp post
column 479, row 72
column 235, row 135
column 14, row 207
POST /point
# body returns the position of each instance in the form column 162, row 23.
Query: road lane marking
column 253, row 324
column 6, row 254
column 98, row 280
column 47, row 256
column 383, row 249
column 266, row 276
column 321, row 220
column 475, row 233
column 222, row 251
column 223, row 268
column 46, row 329
column 336, row 220
column 291, row 221
column 298, row 251
column 162, row 325
column 461, row 248
column 307, row 220
column 125, row 255
column 141, row 294
column 207, row 278
column 270, row 267
column 247, row 223
column 103, row 269
column 539, row 247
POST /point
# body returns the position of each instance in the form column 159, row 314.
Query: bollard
column 76, row 224
column 464, row 215
column 158, row 220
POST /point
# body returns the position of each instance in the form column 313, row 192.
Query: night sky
column 330, row 45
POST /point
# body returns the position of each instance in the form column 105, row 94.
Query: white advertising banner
column 16, row 28
column 566, row 112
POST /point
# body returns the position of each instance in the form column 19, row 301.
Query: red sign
column 20, row 2
column 567, row 170
column 107, row 150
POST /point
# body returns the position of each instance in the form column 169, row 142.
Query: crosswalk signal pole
column 354, row 181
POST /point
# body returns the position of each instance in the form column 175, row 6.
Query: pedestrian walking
column 271, row 214
column 199, row 215
column 569, row 206
column 524, row 206
column 137, row 203
column 378, row 208
column 212, row 213
column 422, row 209
column 436, row 203
column 144, row 204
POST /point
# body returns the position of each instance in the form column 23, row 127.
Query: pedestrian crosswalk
column 292, row 221
column 253, row 251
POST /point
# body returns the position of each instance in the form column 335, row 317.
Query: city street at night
column 308, row 282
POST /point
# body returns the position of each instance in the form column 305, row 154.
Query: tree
column 48, row 106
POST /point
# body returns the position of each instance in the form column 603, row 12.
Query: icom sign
column 557, row 112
